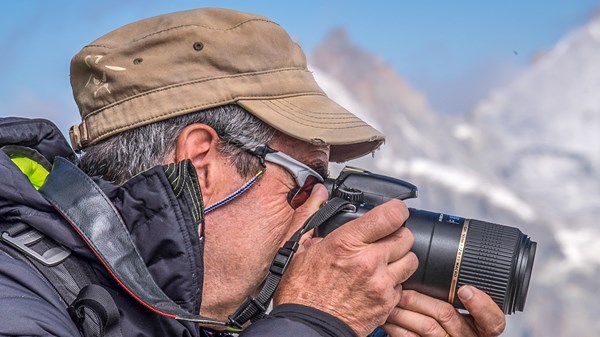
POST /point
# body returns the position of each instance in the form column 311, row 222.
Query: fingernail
column 465, row 292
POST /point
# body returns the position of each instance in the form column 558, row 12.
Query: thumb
column 489, row 318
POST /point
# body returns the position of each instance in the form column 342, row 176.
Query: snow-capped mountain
column 528, row 156
column 547, row 124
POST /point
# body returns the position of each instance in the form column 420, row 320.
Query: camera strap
column 254, row 307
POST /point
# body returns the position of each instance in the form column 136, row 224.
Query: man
column 208, row 137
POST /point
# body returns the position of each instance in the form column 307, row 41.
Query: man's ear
column 198, row 142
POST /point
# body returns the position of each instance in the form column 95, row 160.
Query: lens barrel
column 452, row 251
column 455, row 251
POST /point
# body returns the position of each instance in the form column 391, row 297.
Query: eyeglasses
column 305, row 177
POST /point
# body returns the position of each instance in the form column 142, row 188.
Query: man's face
column 243, row 236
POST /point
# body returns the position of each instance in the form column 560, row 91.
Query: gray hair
column 128, row 153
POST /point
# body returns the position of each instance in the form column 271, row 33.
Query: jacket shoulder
column 298, row 320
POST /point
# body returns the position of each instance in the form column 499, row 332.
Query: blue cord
column 235, row 194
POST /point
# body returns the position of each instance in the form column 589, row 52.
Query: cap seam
column 97, row 45
column 362, row 124
column 179, row 85
column 178, row 27
column 282, row 105
column 202, row 26
column 356, row 119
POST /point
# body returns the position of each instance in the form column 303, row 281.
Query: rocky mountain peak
column 337, row 54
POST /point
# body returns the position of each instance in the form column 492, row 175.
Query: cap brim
column 318, row 120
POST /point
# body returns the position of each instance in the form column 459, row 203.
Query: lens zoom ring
column 487, row 260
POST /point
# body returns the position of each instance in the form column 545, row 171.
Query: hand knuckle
column 395, row 296
column 446, row 313
column 404, row 274
column 497, row 328
column 396, row 312
column 413, row 261
column 342, row 247
column 366, row 265
column 339, row 251
column 360, row 266
column 408, row 297
column 429, row 327
column 381, row 288
column 407, row 235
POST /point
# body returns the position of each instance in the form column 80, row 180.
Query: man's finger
column 396, row 331
column 489, row 318
column 397, row 244
column 415, row 323
column 376, row 224
column 403, row 268
column 440, row 311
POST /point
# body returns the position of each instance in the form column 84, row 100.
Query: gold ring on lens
column 457, row 262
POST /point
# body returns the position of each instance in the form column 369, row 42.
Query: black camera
column 452, row 251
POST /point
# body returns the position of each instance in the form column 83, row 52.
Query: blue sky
column 453, row 51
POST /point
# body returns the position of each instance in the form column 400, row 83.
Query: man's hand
column 355, row 272
column 422, row 315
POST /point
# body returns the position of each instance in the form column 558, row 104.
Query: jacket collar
column 163, row 210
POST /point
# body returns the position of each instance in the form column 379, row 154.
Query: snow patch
column 465, row 132
column 580, row 246
column 407, row 129
column 459, row 181
column 594, row 30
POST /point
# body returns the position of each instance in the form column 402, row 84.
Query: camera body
column 452, row 251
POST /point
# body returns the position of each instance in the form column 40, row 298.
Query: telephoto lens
column 455, row 251
column 452, row 251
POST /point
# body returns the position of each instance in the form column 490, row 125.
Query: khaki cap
column 183, row 62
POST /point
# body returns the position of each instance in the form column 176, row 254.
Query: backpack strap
column 48, row 257
column 95, row 312
column 90, row 306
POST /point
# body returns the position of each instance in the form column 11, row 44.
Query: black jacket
column 164, row 222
